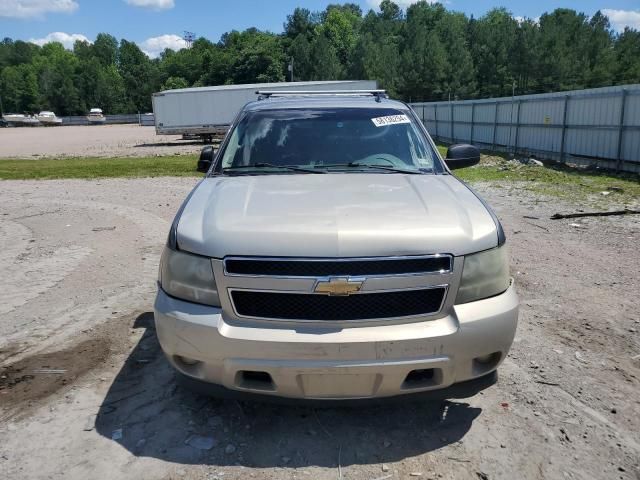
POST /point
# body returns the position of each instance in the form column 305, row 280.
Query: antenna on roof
column 189, row 38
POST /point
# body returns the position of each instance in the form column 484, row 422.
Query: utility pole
column 451, row 126
column 291, row 68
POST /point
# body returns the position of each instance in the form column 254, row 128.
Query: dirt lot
column 91, row 141
column 85, row 392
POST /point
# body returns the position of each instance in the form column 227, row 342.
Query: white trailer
column 208, row 111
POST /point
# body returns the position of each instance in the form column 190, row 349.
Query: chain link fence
column 140, row 119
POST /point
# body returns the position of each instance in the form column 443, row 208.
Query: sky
column 158, row 24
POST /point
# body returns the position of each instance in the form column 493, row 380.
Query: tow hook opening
column 255, row 380
column 422, row 378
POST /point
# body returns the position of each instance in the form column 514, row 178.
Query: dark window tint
column 324, row 137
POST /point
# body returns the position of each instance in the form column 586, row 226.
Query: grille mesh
column 325, row 268
column 302, row 306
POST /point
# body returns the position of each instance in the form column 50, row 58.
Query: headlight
column 485, row 274
column 188, row 277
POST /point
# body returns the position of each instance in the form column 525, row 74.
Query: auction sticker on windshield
column 390, row 120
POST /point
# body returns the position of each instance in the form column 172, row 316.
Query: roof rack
column 263, row 94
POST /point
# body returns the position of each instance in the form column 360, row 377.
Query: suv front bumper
column 316, row 362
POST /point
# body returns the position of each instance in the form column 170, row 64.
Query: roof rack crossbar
column 378, row 94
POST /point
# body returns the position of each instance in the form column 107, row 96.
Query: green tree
column 101, row 86
column 627, row 51
column 351, row 9
column 389, row 11
column 428, row 52
column 173, row 83
column 599, row 53
column 300, row 22
column 57, row 80
column 216, row 67
column 460, row 75
column 424, row 64
column 526, row 56
column 23, row 52
column 19, row 89
column 105, row 49
column 139, row 76
column 300, row 51
column 6, row 50
column 563, row 35
column 493, row 50
column 340, row 27
column 257, row 57
column 193, row 64
column 326, row 65
column 11, row 89
column 378, row 59
column 111, row 91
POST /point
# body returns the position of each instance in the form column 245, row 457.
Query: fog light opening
column 187, row 360
column 186, row 363
column 485, row 363
column 485, row 358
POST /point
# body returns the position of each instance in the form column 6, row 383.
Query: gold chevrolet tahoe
column 330, row 254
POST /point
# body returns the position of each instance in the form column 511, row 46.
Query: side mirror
column 206, row 159
column 462, row 155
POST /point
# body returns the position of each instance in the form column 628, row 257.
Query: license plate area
column 347, row 385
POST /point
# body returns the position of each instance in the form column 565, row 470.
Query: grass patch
column 553, row 180
column 558, row 181
column 49, row 168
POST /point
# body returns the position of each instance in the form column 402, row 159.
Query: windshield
column 378, row 140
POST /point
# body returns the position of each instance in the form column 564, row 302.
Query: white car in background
column 96, row 117
column 48, row 118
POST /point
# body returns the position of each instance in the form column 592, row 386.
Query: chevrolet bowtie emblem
column 339, row 286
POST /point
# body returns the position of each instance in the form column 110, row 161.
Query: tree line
column 424, row 53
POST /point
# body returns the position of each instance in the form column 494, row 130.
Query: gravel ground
column 91, row 141
column 79, row 262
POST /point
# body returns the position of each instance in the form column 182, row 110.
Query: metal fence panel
column 632, row 111
column 599, row 126
column 443, row 119
column 631, row 139
column 75, row 120
column 483, row 134
column 483, row 117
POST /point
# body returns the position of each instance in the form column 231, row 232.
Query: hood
column 334, row 215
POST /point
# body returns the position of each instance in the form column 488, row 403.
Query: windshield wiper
column 270, row 165
column 367, row 165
